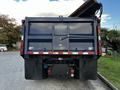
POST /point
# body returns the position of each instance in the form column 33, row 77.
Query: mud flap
column 33, row 69
column 59, row 71
column 88, row 69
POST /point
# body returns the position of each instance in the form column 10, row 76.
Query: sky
column 19, row 9
column 111, row 11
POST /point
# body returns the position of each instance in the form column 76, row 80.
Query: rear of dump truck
column 58, row 46
column 63, row 47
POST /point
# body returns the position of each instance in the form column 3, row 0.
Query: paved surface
column 12, row 77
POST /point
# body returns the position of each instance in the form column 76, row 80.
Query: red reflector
column 21, row 47
column 100, row 52
column 91, row 53
column 99, row 31
column 69, row 52
column 50, row 52
column 72, row 71
column 80, row 52
column 60, row 52
column 49, row 71
column 30, row 52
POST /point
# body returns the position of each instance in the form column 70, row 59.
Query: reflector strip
column 55, row 53
column 62, row 53
column 74, row 52
column 35, row 52
column 65, row 52
column 99, row 37
column 45, row 53
column 22, row 37
column 85, row 52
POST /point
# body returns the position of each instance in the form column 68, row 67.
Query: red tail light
column 49, row 71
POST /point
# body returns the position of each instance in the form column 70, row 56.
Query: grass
column 109, row 67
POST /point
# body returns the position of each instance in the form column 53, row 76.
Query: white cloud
column 19, row 10
column 105, row 18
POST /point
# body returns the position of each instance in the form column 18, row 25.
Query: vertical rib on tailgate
column 61, row 37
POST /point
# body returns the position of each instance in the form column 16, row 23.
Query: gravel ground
column 12, row 77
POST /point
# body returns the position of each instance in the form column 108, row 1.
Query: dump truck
column 62, row 46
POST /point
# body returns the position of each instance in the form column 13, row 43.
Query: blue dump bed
column 61, row 36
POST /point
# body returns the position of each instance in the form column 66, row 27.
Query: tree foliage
column 104, row 32
column 9, row 31
column 111, row 39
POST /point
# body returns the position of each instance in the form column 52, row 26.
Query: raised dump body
column 58, row 46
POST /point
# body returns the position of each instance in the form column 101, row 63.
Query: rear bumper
column 59, row 57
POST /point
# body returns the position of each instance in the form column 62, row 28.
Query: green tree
column 114, row 40
column 104, row 32
column 113, row 34
column 9, row 31
column 111, row 38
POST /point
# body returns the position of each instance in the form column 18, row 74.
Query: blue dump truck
column 62, row 46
